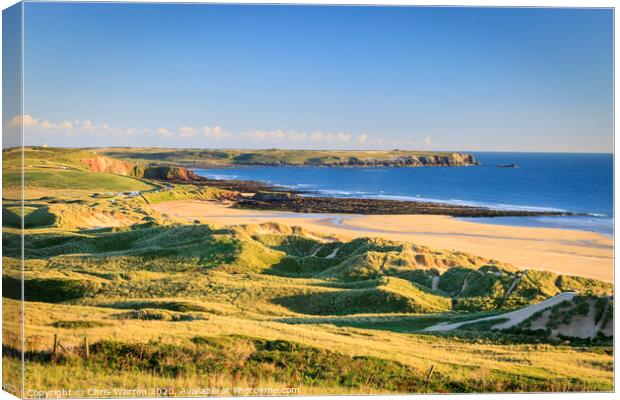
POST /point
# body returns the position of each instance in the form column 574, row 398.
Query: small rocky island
column 507, row 166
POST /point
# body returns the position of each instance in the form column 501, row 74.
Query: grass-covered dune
column 206, row 157
column 163, row 303
column 176, row 302
column 323, row 275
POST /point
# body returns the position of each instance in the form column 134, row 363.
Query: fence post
column 55, row 347
column 430, row 374
column 86, row 349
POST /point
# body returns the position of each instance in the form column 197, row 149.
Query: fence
column 38, row 344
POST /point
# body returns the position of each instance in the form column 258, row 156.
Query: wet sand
column 561, row 251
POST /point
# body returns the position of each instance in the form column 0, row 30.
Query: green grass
column 184, row 192
column 180, row 306
column 157, row 315
column 52, row 290
column 69, row 179
column 583, row 285
column 34, row 217
column 78, row 324
column 201, row 157
column 246, row 359
column 166, row 304
column 390, row 295
column 366, row 276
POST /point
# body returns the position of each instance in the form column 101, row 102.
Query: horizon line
column 301, row 149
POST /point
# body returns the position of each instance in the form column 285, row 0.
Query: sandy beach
column 561, row 251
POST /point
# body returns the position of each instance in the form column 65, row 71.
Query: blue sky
column 318, row 77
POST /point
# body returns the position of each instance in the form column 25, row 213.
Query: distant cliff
column 169, row 173
column 209, row 158
column 110, row 165
column 451, row 160
column 139, row 170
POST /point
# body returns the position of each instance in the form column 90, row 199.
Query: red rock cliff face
column 109, row 165
column 126, row 168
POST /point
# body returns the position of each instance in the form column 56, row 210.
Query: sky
column 321, row 77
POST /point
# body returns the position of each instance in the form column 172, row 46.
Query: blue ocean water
column 543, row 181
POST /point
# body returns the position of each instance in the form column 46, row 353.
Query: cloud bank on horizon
column 39, row 132
column 84, row 133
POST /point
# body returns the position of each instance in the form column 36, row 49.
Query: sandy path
column 562, row 251
column 514, row 317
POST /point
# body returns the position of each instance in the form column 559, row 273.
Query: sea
column 574, row 182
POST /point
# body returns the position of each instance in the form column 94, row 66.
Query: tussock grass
column 184, row 192
column 78, row 324
column 34, row 217
column 165, row 304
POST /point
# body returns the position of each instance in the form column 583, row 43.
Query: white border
column 479, row 3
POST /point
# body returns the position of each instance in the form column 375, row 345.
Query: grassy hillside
column 63, row 190
column 206, row 157
column 67, row 179
column 164, row 303
column 149, row 289
column 108, row 264
column 49, row 171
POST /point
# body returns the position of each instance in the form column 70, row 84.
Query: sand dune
column 513, row 317
column 562, row 251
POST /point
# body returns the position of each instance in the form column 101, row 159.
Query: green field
column 60, row 171
column 67, row 179
column 205, row 157
column 169, row 304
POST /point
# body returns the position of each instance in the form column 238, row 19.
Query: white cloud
column 214, row 132
column 26, row 120
column 65, row 125
column 36, row 127
column 330, row 137
column 296, row 136
column 86, row 131
column 361, row 138
column 280, row 135
column 187, row 132
column 87, row 126
column 163, row 132
column 268, row 135
column 47, row 125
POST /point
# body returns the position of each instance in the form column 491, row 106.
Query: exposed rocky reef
column 284, row 201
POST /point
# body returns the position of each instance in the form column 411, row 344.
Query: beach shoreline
column 266, row 196
column 547, row 190
column 562, row 251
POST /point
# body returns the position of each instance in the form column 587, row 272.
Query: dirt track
column 514, row 317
